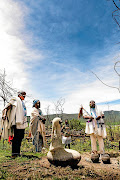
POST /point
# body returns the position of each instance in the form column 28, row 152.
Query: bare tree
column 59, row 107
column 6, row 90
column 115, row 66
column 115, row 13
column 47, row 110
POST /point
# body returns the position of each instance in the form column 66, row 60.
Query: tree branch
column 104, row 83
column 116, row 5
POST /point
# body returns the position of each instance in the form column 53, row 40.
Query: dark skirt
column 38, row 142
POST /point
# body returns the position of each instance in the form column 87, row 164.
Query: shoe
column 94, row 158
column 15, row 155
column 105, row 158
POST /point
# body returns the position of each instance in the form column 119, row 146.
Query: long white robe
column 15, row 116
column 95, row 127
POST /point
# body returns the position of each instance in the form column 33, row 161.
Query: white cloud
column 16, row 56
column 11, row 21
column 80, row 87
column 14, row 52
column 88, row 91
column 93, row 89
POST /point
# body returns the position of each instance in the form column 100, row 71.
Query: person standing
column 14, row 120
column 66, row 138
column 37, row 126
column 95, row 127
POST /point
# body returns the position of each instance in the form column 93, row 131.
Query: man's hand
column 103, row 116
column 97, row 118
column 91, row 117
column 43, row 120
column 4, row 114
column 29, row 134
column 88, row 117
column 80, row 112
column 4, row 117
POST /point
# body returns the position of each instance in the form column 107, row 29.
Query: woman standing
column 37, row 126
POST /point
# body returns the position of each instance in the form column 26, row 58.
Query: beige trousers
column 94, row 145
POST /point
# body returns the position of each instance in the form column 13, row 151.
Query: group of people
column 14, row 122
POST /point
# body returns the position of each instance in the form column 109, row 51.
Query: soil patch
column 42, row 169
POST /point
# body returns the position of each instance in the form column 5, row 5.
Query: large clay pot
column 95, row 158
column 64, row 157
column 105, row 159
column 57, row 155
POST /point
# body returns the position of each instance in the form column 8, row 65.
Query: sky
column 50, row 49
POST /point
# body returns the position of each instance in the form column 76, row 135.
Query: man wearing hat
column 37, row 126
column 15, row 121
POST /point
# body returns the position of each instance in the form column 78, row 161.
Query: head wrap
column 35, row 101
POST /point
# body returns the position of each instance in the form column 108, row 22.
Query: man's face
column 66, row 122
column 92, row 104
column 22, row 96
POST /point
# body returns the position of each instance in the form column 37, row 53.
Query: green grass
column 81, row 145
column 27, row 152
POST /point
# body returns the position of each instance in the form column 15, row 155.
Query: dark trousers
column 17, row 139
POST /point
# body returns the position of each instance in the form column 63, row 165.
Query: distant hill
column 117, row 113
column 64, row 116
column 110, row 116
column 75, row 116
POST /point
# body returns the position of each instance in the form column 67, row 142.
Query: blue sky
column 68, row 33
column 53, row 45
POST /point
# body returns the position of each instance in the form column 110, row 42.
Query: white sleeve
column 12, row 101
column 85, row 113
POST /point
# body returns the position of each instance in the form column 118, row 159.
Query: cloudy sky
column 49, row 49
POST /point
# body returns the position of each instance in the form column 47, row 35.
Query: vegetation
column 112, row 117
column 29, row 162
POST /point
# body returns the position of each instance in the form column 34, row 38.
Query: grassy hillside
column 110, row 117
